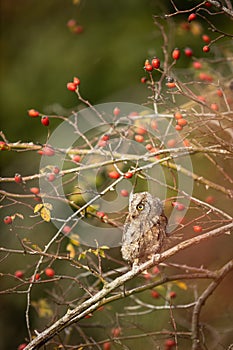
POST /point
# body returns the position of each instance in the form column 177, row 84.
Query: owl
column 145, row 228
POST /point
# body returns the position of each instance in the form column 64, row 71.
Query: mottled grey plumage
column 144, row 229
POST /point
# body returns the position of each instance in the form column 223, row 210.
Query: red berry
column 34, row 190
column 155, row 63
column 33, row 113
column 206, row 48
column 78, row 29
column 76, row 158
column 51, row 177
column 179, row 206
column 208, row 4
column 182, row 122
column 71, row 86
column 178, row 115
column 8, row 220
column 45, row 120
column 143, row 80
column 176, row 54
column 114, row 174
column 71, row 23
column 206, row 38
column 116, row 332
column 186, row 143
column 141, row 130
column 219, row 92
column 172, row 294
column 46, row 151
column 155, row 270
column 22, row 346
column 214, row 106
column 178, row 127
column 148, row 67
column 56, row 170
column 35, row 278
column 205, row 77
column 192, row 17
column 154, row 125
column 197, row 229
column 188, row 52
column 102, row 143
column 170, row 83
column 197, row 65
column 3, row 146
column 171, row 143
column 201, row 98
column 149, row 147
column 19, row 274
column 116, row 111
column 66, row 229
column 170, row 343
column 18, row 178
column 155, row 294
column 107, row 345
column 124, row 193
column 76, row 81
column 49, row 272
column 210, row 199
column 128, row 175
column 101, row 214
column 105, row 137
column 139, row 138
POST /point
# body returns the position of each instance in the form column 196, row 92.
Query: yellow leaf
column 45, row 214
column 71, row 250
column 74, row 239
column 181, row 285
column 48, row 206
column 38, row 207
column 43, row 308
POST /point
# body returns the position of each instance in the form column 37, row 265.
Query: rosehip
column 214, row 106
column 178, row 127
column 140, row 130
column 124, row 193
column 116, row 111
column 155, row 63
column 116, row 332
column 171, row 143
column 206, row 48
column 154, row 125
column 139, row 138
column 208, row 4
column 205, row 77
column 51, row 177
column 143, row 80
column 66, row 229
column 18, row 178
column 206, row 38
column 148, row 67
column 197, row 229
column 219, row 92
column 192, row 17
column 128, row 175
column 210, row 199
column 182, row 122
column 49, row 272
column 78, row 29
column 76, row 158
column 19, row 274
column 45, row 120
column 172, row 294
column 76, row 81
column 107, row 346
column 8, row 220
column 176, row 54
column 114, row 174
column 197, row 65
column 22, row 346
column 105, row 137
column 101, row 214
column 71, row 23
column 34, row 190
column 71, row 86
column 56, row 170
column 170, row 343
column 186, row 143
column 155, row 294
column 46, row 151
column 178, row 115
column 188, row 52
column 33, row 113
column 149, row 147
column 179, row 206
column 3, row 146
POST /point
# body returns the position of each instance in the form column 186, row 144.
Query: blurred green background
column 39, row 55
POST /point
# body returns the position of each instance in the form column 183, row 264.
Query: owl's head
column 143, row 204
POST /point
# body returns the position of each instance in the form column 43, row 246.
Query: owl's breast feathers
column 143, row 238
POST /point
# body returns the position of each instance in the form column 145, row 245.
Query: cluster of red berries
column 72, row 86
column 33, row 113
column 74, row 27
column 154, row 64
column 180, row 121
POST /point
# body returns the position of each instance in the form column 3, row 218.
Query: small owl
column 144, row 229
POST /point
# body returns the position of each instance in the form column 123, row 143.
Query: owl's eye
column 140, row 206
